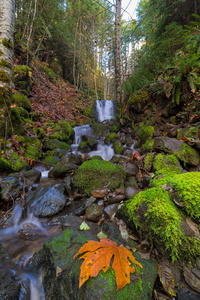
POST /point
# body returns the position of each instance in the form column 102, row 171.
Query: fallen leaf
column 84, row 226
column 166, row 278
column 123, row 232
column 101, row 235
column 97, row 256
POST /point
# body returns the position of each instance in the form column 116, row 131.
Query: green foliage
column 188, row 155
column 188, row 188
column 22, row 101
column 110, row 137
column 161, row 222
column 96, row 174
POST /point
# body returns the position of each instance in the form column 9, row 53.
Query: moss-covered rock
column 188, row 155
column 153, row 214
column 59, row 251
column 40, row 132
column 191, row 133
column 22, row 101
column 145, row 135
column 53, row 160
column 22, row 112
column 14, row 163
column 148, row 161
column 96, row 174
column 16, row 123
column 110, row 137
column 165, row 167
column 118, row 147
column 22, row 79
column 99, row 130
column 84, row 147
column 187, row 186
column 56, row 144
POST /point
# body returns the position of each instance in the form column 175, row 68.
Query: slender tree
column 118, row 53
column 7, row 14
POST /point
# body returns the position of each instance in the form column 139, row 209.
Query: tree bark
column 118, row 53
column 7, row 16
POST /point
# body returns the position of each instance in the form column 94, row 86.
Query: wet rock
column 130, row 168
column 47, row 201
column 71, row 159
column 27, row 234
column 76, row 207
column 93, row 213
column 29, row 177
column 100, row 193
column 90, row 201
column 61, row 170
column 110, row 210
column 115, row 198
column 130, row 192
column 10, row 188
column 60, row 250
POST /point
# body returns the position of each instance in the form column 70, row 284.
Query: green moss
column 148, row 161
column 110, row 137
column 83, row 146
column 148, row 146
column 16, row 122
column 138, row 97
column 188, row 155
column 187, row 186
column 5, row 64
column 13, row 164
column 22, row 101
column 56, row 136
column 118, row 148
column 95, row 174
column 4, row 77
column 146, row 133
column 97, row 157
column 7, row 43
column 191, row 133
column 165, row 167
column 22, row 112
column 161, row 222
column 22, row 78
column 4, row 165
column 40, row 132
column 1, row 52
column 53, row 160
column 32, row 152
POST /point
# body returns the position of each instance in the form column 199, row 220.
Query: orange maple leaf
column 97, row 257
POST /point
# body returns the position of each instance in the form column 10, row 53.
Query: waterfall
column 105, row 110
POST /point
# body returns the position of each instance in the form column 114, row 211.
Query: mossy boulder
column 188, row 155
column 165, row 167
column 56, row 144
column 60, row 250
column 14, row 163
column 96, row 174
column 84, row 147
column 22, row 79
column 145, row 135
column 100, row 130
column 22, row 101
column 156, row 217
column 191, row 133
column 110, row 137
column 187, row 186
column 40, row 132
column 118, row 147
column 16, row 122
column 53, row 160
column 22, row 112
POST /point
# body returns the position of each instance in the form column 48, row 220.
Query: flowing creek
column 18, row 238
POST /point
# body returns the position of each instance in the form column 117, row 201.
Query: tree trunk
column 7, row 15
column 118, row 53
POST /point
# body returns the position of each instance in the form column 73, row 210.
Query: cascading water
column 105, row 110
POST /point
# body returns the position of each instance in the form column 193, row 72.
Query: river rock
column 130, row 168
column 94, row 212
column 110, row 210
column 100, row 193
column 115, row 198
column 60, row 250
column 130, row 191
column 47, row 201
column 61, row 170
column 27, row 234
column 10, row 188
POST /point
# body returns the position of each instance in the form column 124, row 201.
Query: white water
column 105, row 110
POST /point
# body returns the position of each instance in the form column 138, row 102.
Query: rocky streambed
column 146, row 199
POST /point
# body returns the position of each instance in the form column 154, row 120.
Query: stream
column 23, row 237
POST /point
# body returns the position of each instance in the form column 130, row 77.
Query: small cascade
column 79, row 132
column 105, row 110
